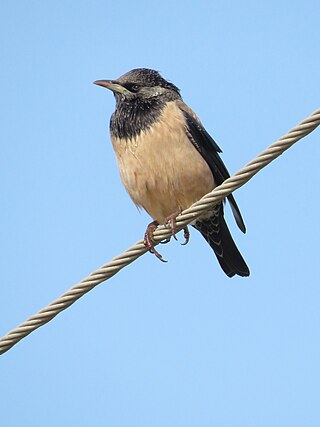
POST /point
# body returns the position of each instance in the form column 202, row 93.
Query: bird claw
column 164, row 242
column 149, row 241
column 186, row 235
column 171, row 222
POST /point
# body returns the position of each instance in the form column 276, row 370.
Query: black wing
column 210, row 150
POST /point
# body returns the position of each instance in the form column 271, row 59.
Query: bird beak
column 112, row 85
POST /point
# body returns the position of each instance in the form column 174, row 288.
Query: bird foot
column 171, row 222
column 149, row 241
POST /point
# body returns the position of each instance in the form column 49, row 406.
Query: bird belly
column 161, row 169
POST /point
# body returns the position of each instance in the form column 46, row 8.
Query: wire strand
column 131, row 254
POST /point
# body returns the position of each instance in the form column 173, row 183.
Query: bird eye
column 135, row 88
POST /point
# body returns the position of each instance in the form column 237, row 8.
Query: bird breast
column 160, row 168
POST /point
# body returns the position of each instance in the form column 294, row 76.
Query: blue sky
column 176, row 344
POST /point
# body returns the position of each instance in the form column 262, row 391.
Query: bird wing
column 209, row 150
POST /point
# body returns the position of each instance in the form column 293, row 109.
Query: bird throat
column 132, row 118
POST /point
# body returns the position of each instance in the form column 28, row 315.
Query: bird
column 167, row 161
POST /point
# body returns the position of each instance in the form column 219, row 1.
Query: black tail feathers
column 215, row 230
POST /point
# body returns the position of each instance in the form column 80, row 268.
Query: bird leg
column 149, row 241
column 171, row 222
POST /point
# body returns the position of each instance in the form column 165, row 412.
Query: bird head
column 142, row 84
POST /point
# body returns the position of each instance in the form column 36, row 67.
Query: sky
column 175, row 344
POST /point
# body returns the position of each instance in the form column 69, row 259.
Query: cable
column 116, row 264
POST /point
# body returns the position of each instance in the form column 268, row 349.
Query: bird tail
column 215, row 230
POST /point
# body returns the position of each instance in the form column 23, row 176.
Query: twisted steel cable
column 116, row 264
